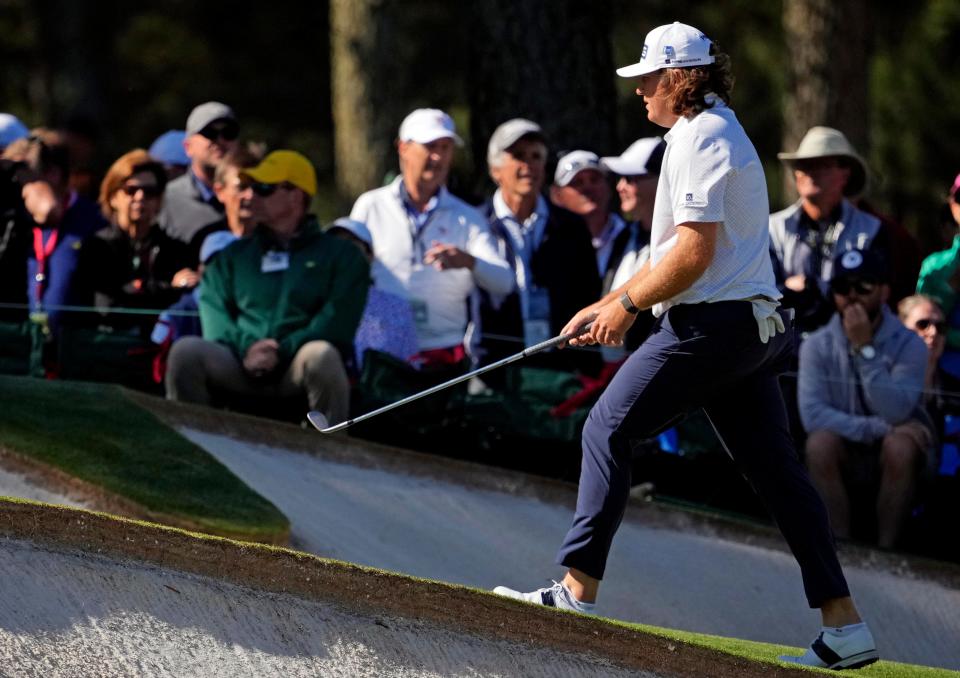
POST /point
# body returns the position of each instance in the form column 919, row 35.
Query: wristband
column 628, row 304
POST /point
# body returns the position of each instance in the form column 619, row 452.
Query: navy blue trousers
column 704, row 356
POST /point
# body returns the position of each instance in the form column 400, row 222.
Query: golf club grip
column 556, row 341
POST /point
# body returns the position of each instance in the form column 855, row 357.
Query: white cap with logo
column 673, row 45
column 642, row 157
column 574, row 162
column 425, row 125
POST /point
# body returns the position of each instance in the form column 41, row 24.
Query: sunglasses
column 265, row 190
column 227, row 132
column 939, row 325
column 843, row 286
column 149, row 191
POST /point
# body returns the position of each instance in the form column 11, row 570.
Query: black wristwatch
column 628, row 304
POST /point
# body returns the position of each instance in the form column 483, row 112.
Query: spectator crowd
column 200, row 260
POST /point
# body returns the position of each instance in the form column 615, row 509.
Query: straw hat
column 826, row 142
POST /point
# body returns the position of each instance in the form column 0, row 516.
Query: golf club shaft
column 536, row 348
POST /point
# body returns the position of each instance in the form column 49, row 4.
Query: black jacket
column 116, row 271
column 564, row 264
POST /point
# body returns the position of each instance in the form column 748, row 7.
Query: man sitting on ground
column 279, row 308
column 861, row 380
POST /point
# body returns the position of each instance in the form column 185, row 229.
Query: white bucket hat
column 826, row 142
column 673, row 45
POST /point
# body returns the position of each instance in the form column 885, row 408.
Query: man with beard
column 860, row 391
column 190, row 203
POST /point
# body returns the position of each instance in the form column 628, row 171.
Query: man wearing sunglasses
column 860, row 390
column 829, row 174
column 279, row 308
column 190, row 203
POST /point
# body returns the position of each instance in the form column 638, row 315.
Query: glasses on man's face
column 266, row 190
column 844, row 286
column 939, row 325
column 814, row 165
column 226, row 131
column 149, row 190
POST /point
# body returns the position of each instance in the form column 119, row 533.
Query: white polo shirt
column 711, row 172
column 438, row 298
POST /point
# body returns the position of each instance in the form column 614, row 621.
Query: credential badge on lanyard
column 536, row 326
column 274, row 261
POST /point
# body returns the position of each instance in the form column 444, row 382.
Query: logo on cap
column 851, row 259
column 643, row 54
column 669, row 54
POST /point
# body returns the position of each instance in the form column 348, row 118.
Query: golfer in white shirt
column 719, row 344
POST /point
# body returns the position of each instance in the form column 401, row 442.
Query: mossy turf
column 96, row 434
column 768, row 653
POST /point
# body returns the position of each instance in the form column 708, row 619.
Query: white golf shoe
column 851, row 650
column 557, row 596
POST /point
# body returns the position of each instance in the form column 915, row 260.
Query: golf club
column 320, row 422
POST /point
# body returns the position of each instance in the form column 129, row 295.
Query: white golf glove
column 769, row 322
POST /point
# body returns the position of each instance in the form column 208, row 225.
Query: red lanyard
column 42, row 251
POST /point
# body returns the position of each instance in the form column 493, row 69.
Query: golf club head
column 318, row 420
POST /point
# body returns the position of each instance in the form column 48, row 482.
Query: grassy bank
column 94, row 433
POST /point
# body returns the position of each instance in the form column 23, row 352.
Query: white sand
column 68, row 614
column 19, row 486
column 444, row 531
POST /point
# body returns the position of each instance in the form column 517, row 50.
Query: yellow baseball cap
column 289, row 166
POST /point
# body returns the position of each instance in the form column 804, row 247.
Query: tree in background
column 368, row 78
column 829, row 53
column 547, row 60
column 916, row 116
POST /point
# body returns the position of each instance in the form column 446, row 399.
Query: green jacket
column 934, row 281
column 321, row 295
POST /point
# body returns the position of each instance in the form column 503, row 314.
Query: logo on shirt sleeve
column 689, row 197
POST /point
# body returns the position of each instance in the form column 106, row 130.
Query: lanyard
column 418, row 225
column 42, row 251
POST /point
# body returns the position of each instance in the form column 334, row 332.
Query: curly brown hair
column 689, row 87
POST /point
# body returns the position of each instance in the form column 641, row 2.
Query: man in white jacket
column 430, row 247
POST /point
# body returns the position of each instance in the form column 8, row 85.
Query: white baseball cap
column 508, row 133
column 428, row 124
column 574, row 162
column 673, row 45
column 642, row 157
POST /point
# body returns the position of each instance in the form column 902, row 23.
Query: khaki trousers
column 195, row 367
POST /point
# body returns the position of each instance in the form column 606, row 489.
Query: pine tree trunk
column 367, row 77
column 828, row 48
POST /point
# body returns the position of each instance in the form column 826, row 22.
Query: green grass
column 95, row 433
column 768, row 653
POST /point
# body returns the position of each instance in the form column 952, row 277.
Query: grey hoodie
column 862, row 400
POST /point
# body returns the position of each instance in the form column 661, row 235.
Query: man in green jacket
column 278, row 309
